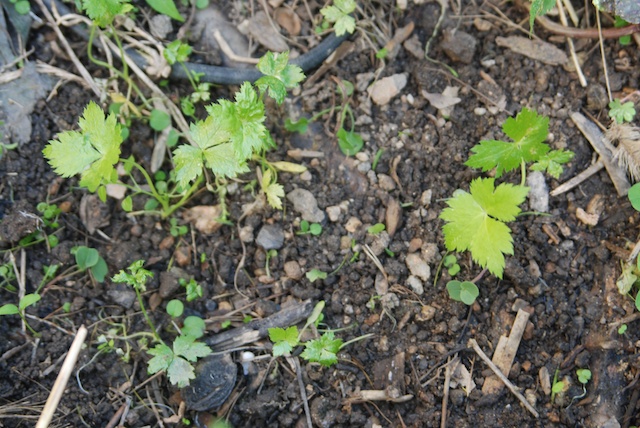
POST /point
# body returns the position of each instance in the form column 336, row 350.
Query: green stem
column 365, row 336
column 146, row 316
column 523, row 171
column 189, row 76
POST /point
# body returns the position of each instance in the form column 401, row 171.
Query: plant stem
column 155, row 334
column 365, row 336
column 523, row 171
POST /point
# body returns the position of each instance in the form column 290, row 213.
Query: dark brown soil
column 563, row 271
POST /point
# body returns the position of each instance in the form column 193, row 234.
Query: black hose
column 223, row 75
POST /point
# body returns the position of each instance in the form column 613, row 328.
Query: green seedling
column 268, row 256
column 225, row 324
column 476, row 220
column 466, row 291
column 177, row 229
column 21, row 6
column 620, row 112
column 528, row 132
column 539, row 8
column 7, row 275
column 556, row 388
column 339, row 15
column 19, row 309
column 89, row 259
column 166, row 7
column 307, row 228
column 376, row 228
column 175, row 308
column 389, row 253
column 315, row 274
column 376, row 159
column 322, row 350
column 193, row 289
column 584, row 376
column 451, row 263
column 177, row 360
column 622, row 329
column 193, row 326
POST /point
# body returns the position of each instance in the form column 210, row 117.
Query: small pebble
column 353, row 224
column 333, row 212
column 293, row 270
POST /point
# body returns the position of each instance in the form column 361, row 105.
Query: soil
column 563, row 272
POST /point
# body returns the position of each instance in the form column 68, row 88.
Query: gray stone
column 305, row 203
column 270, row 237
column 459, row 46
column 538, row 192
column 170, row 281
column 418, row 267
column 415, row 284
column 293, row 270
column 122, row 295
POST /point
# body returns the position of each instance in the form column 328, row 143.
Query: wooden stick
column 578, row 179
column 62, row 379
column 597, row 141
column 473, row 344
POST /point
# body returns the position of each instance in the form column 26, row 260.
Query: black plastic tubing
column 224, row 75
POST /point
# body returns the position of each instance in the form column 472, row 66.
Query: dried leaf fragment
column 535, row 49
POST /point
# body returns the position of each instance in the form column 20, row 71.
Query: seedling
column 622, row 329
column 270, row 254
column 584, row 376
column 376, row 228
column 177, row 229
column 620, row 112
column 476, row 220
column 193, row 289
column 465, row 292
column 376, row 159
column 451, row 263
column 339, row 16
column 556, row 388
column 315, row 274
column 175, row 308
column 23, row 304
column 176, row 361
column 307, row 228
column 89, row 259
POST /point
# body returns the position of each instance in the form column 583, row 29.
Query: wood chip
column 535, row 49
column 506, row 352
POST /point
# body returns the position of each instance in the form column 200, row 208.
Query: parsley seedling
column 621, row 112
column 176, row 361
column 338, row 14
column 476, row 221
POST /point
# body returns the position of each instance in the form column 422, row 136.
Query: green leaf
column 376, row 228
column 22, row 7
column 528, row 132
column 247, row 130
column 338, row 14
column 166, row 7
column 284, row 340
column 9, row 309
column 314, row 274
column 28, row 300
column 99, row 270
column 163, row 356
column 180, row 372
column 322, row 350
column 159, row 120
column 92, row 152
column 552, row 162
column 86, row 257
column 127, row 204
column 300, row 126
column 475, row 221
column 315, row 229
column 176, row 51
column 621, row 112
column 539, row 8
column 187, row 347
column 465, row 292
column 584, row 375
column 350, row 142
column 634, row 196
column 279, row 75
column 175, row 308
column 103, row 12
column 274, row 193
column 193, row 326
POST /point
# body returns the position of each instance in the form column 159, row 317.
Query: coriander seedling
column 315, row 274
column 23, row 304
column 307, row 228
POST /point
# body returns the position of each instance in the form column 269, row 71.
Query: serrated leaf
column 283, row 339
column 187, row 347
column 180, row 372
column 166, row 7
column 552, row 162
column 278, row 75
column 323, row 350
column 475, row 221
column 528, row 132
column 248, row 131
column 189, row 162
column 103, row 12
column 92, row 152
column 338, row 14
column 621, row 112
column 539, row 8
column 163, row 356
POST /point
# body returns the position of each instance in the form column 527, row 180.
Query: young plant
column 376, row 229
column 193, row 289
column 307, row 228
column 315, row 274
column 466, row 291
column 19, row 309
column 476, row 220
column 91, row 260
column 620, row 112
column 339, row 16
